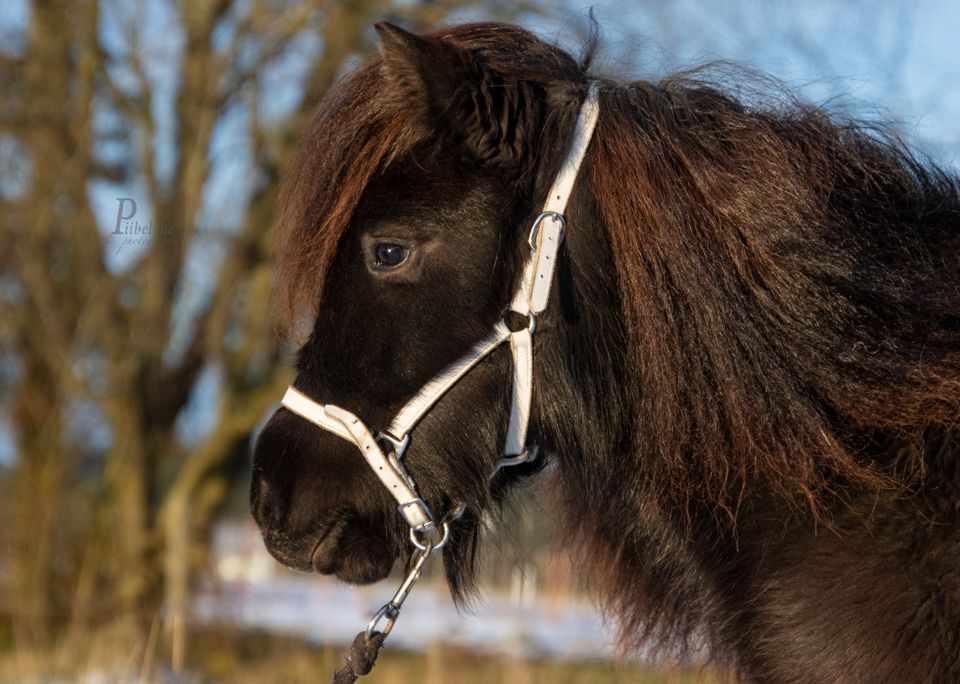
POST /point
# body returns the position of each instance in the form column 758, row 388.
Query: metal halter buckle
column 422, row 505
column 532, row 240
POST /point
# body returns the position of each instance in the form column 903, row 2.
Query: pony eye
column 387, row 255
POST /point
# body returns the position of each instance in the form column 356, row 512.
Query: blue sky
column 890, row 59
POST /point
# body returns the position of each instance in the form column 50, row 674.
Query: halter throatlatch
column 383, row 451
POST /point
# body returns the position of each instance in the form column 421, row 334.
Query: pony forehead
column 362, row 123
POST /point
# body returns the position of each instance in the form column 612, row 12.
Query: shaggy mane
column 790, row 285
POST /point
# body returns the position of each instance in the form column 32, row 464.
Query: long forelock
column 351, row 135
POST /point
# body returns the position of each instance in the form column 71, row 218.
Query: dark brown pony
column 748, row 379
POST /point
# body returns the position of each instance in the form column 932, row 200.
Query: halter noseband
column 529, row 301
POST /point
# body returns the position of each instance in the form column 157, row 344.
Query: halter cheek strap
column 529, row 301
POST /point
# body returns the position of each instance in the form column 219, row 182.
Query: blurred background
column 141, row 142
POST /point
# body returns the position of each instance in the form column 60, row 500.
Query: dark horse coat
column 748, row 380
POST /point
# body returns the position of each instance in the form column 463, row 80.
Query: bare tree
column 104, row 341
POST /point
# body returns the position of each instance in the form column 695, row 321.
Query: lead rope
column 367, row 644
column 363, row 655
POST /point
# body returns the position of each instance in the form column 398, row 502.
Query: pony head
column 404, row 222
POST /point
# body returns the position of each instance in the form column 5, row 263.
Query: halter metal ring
column 531, row 320
column 532, row 240
column 426, row 546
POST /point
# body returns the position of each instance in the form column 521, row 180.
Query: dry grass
column 235, row 657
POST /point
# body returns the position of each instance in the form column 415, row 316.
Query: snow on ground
column 250, row 589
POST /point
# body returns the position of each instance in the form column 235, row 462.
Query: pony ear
column 491, row 114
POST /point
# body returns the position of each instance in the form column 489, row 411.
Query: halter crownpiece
column 529, row 300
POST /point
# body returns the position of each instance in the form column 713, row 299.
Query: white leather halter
column 529, row 301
